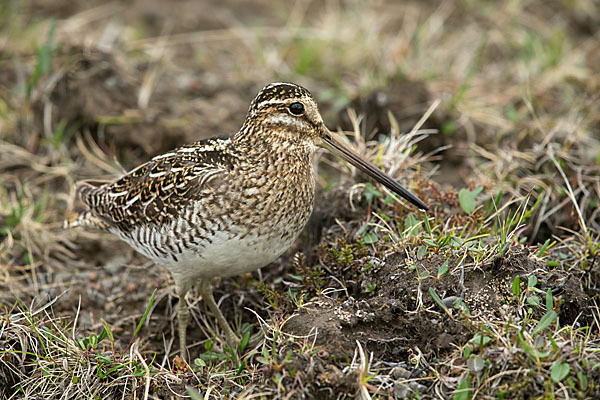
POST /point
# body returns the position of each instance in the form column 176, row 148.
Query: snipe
column 224, row 206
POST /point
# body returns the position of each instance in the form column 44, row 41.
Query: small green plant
column 370, row 238
column 559, row 371
column 44, row 59
column 411, row 225
column 544, row 322
column 467, row 199
column 443, row 269
column 437, row 300
column 59, row 133
column 194, row 394
column 507, row 229
column 12, row 220
column 142, row 320
column 463, row 390
column 92, row 341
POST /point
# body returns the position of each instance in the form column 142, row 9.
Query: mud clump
column 385, row 321
column 400, row 315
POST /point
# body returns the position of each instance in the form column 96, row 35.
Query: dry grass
column 498, row 96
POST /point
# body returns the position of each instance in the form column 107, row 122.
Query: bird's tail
column 85, row 219
column 88, row 193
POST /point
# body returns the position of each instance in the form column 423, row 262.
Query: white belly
column 220, row 254
column 227, row 256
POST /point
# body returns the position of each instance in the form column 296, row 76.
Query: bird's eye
column 297, row 108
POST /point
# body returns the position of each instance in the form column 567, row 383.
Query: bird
column 224, row 206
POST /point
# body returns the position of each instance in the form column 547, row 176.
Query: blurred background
column 154, row 75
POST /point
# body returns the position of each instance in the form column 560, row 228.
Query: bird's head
column 287, row 114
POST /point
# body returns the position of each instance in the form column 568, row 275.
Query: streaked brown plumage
column 222, row 207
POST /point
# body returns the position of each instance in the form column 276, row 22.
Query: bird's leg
column 206, row 291
column 183, row 315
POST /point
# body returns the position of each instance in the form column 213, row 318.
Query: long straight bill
column 338, row 148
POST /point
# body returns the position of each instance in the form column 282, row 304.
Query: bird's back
column 153, row 192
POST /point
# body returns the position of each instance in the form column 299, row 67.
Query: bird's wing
column 155, row 191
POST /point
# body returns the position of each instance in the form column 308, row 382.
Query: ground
column 488, row 111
